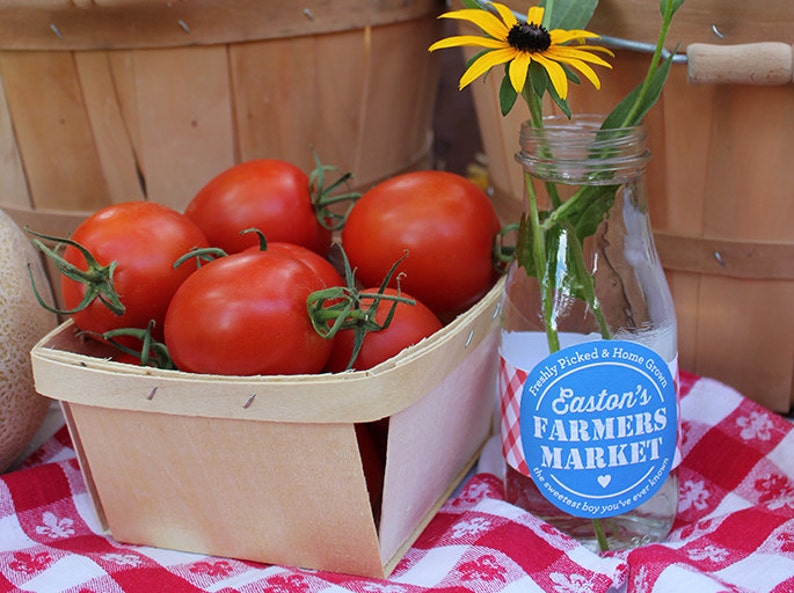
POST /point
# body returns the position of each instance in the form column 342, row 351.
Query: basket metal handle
column 764, row 63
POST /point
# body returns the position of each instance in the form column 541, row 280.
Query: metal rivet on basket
column 184, row 26
column 717, row 32
column 151, row 393
column 469, row 338
column 496, row 310
column 249, row 401
column 719, row 259
column 56, row 30
column 309, row 14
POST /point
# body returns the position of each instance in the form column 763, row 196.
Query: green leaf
column 676, row 5
column 524, row 254
column 470, row 61
column 634, row 106
column 580, row 283
column 566, row 267
column 547, row 14
column 585, row 211
column 570, row 74
column 561, row 103
column 538, row 78
column 569, row 14
column 556, row 267
column 475, row 4
column 561, row 269
column 507, row 95
column 592, row 209
column 540, row 83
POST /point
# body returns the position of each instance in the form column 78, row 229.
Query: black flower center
column 529, row 37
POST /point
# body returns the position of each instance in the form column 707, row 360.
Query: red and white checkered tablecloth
column 734, row 531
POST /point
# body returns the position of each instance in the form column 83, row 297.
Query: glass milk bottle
column 588, row 351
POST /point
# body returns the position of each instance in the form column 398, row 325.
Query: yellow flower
column 521, row 43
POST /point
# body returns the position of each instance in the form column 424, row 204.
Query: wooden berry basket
column 720, row 181
column 104, row 101
column 268, row 468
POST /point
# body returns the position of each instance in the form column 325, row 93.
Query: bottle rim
column 578, row 121
column 580, row 143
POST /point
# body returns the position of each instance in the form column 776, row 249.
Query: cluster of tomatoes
column 242, row 282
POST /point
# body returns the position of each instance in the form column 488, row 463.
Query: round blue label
column 599, row 426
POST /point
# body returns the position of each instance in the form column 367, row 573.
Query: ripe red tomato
column 320, row 265
column 447, row 225
column 144, row 239
column 270, row 195
column 245, row 314
column 408, row 326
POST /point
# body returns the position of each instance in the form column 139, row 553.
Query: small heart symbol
column 604, row 480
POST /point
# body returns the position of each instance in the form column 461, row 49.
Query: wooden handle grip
column 765, row 63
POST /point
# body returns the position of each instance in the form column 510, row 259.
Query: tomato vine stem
column 98, row 279
column 347, row 308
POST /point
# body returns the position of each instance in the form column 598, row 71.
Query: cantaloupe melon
column 23, row 321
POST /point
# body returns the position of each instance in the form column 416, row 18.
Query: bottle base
column 650, row 522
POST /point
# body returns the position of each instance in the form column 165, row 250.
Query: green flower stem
column 587, row 283
column 575, row 217
column 667, row 19
column 541, row 267
column 630, row 119
column 601, row 536
column 562, row 212
column 539, row 229
column 539, row 237
column 535, row 104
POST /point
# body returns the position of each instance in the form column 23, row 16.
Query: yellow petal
column 485, row 62
column 564, row 52
column 556, row 74
column 465, row 40
column 506, row 14
column 486, row 21
column 535, row 15
column 560, row 36
column 518, row 70
column 588, row 72
column 598, row 48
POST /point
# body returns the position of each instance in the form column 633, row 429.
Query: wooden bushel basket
column 721, row 181
column 105, row 101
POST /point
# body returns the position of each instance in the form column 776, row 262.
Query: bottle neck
column 577, row 151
